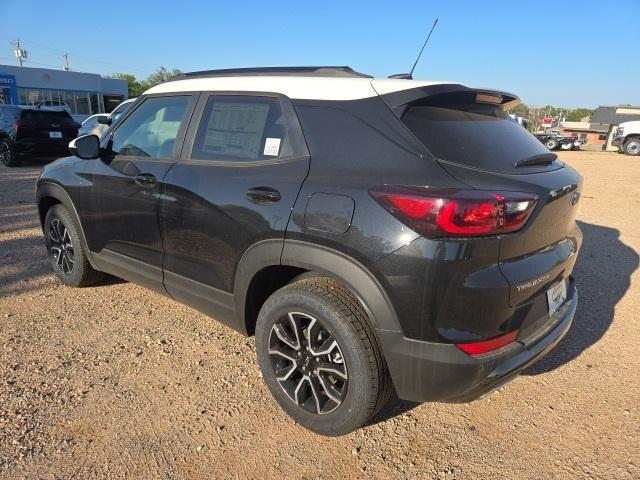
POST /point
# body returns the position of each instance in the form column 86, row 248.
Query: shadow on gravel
column 394, row 408
column 603, row 275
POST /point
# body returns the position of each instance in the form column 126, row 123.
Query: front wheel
column 7, row 155
column 632, row 146
column 319, row 356
column 66, row 254
column 551, row 144
column 566, row 146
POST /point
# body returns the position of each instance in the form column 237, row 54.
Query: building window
column 22, row 96
column 56, row 98
column 78, row 103
column 68, row 100
column 95, row 105
column 111, row 102
column 82, row 103
column 35, row 97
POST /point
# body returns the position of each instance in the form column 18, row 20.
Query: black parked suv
column 34, row 131
column 372, row 233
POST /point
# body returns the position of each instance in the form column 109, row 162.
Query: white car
column 97, row 124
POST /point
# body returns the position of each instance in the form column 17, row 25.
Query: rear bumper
column 42, row 148
column 425, row 371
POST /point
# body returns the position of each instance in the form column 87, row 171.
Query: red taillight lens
column 478, row 348
column 457, row 213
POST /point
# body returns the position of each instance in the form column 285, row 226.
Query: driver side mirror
column 105, row 120
column 86, row 147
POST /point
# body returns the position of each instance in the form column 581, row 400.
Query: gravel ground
column 115, row 381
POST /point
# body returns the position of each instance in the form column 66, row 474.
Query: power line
column 94, row 60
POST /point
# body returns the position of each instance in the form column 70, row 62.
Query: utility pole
column 66, row 62
column 21, row 54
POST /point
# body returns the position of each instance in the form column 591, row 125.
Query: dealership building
column 83, row 94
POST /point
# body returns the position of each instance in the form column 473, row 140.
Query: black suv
column 372, row 233
column 34, row 131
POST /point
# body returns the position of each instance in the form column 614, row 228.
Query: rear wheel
column 319, row 356
column 551, row 144
column 7, row 155
column 632, row 146
column 66, row 255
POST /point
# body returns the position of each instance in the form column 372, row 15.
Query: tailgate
column 472, row 137
column 544, row 251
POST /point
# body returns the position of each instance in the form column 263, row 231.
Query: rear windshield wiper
column 539, row 159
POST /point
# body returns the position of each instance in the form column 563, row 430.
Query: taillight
column 486, row 346
column 16, row 126
column 437, row 212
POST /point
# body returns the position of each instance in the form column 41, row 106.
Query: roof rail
column 319, row 71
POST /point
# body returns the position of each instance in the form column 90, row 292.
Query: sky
column 567, row 53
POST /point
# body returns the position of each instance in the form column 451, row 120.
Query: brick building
column 593, row 133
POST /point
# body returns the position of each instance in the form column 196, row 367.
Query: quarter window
column 241, row 128
column 151, row 130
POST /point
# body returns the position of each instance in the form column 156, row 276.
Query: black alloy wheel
column 319, row 355
column 64, row 245
column 61, row 246
column 308, row 363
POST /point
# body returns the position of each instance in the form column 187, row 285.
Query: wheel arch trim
column 53, row 190
column 324, row 260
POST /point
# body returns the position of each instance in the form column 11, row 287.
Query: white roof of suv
column 298, row 84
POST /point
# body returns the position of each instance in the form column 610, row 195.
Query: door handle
column 263, row 195
column 145, row 180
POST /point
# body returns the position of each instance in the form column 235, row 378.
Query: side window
column 151, row 130
column 119, row 111
column 241, row 128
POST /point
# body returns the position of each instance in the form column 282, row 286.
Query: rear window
column 38, row 116
column 458, row 129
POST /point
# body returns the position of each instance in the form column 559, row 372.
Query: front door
column 119, row 208
column 235, row 185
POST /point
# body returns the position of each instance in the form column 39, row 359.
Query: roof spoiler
column 397, row 101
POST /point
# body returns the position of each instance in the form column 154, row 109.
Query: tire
column 350, row 376
column 566, row 146
column 632, row 146
column 7, row 155
column 551, row 144
column 64, row 247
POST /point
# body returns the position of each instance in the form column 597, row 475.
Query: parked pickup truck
column 627, row 137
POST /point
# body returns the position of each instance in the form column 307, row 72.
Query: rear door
column 119, row 209
column 240, row 173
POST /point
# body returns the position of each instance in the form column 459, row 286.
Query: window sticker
column 272, row 146
column 235, row 129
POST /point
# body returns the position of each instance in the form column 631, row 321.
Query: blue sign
column 8, row 82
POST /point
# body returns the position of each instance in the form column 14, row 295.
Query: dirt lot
column 119, row 382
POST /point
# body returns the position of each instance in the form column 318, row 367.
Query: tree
column 159, row 76
column 578, row 114
column 135, row 88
